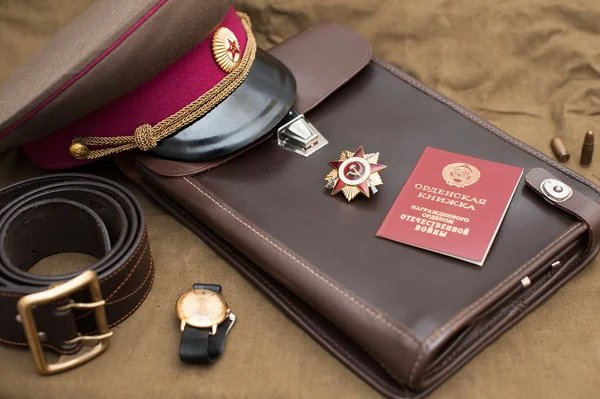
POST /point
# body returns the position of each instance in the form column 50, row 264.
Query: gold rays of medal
column 350, row 192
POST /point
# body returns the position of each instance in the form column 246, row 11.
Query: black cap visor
column 250, row 112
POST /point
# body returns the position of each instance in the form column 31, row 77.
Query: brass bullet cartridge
column 587, row 150
column 559, row 149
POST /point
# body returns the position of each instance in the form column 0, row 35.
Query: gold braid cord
column 146, row 136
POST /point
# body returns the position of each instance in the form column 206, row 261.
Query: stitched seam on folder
column 315, row 327
column 437, row 332
column 332, row 342
column 467, row 342
column 312, row 271
column 485, row 124
column 517, row 302
column 488, row 126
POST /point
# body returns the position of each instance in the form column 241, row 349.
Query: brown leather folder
column 402, row 318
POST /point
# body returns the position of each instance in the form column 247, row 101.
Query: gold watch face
column 202, row 308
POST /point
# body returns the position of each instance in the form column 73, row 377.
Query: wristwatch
column 205, row 322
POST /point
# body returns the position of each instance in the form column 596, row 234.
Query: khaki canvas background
column 531, row 67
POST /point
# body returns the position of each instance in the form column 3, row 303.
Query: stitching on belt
column 153, row 269
column 61, row 351
column 144, row 237
column 150, row 271
column 134, row 291
column 132, row 270
column 141, row 300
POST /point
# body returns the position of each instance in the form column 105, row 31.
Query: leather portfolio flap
column 322, row 59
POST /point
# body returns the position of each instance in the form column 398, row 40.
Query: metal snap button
column 556, row 190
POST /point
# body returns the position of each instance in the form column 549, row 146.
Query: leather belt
column 70, row 314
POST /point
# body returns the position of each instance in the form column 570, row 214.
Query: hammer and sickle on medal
column 354, row 172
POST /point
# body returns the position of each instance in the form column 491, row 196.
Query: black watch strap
column 197, row 345
column 211, row 287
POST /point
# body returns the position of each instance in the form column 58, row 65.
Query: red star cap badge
column 233, row 48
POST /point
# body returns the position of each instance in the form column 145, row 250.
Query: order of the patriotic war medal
column 354, row 173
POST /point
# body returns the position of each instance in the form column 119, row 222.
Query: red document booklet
column 452, row 204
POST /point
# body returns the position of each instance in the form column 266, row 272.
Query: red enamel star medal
column 355, row 172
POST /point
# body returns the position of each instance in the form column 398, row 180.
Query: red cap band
column 171, row 90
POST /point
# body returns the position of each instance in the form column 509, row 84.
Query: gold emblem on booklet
column 460, row 174
column 226, row 49
column 354, row 173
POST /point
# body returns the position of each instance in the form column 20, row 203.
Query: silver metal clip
column 298, row 135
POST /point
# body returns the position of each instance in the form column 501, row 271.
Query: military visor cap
column 180, row 79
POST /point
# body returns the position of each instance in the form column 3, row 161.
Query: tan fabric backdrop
column 529, row 66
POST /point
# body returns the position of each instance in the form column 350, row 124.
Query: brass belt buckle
column 25, row 306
